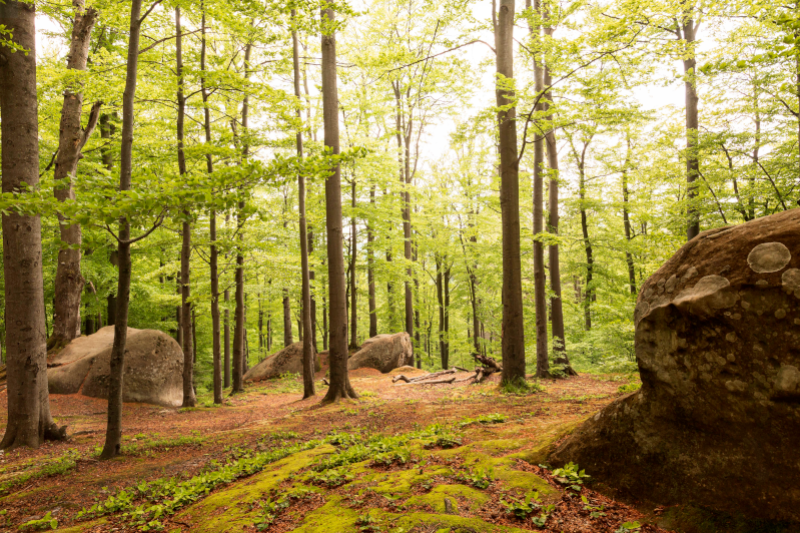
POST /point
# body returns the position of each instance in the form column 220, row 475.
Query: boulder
column 384, row 353
column 151, row 374
column 717, row 420
column 287, row 361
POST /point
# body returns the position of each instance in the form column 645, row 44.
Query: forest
column 400, row 265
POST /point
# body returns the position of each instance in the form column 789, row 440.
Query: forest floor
column 422, row 458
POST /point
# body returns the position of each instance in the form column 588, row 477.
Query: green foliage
column 521, row 508
column 571, row 475
column 331, row 477
column 46, row 522
column 628, row 526
column 520, row 387
column 494, row 418
column 630, row 387
column 595, row 511
column 478, row 477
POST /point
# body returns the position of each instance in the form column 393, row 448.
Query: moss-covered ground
column 403, row 458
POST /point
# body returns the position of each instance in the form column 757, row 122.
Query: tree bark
column 288, row 337
column 340, row 381
column 692, row 125
column 353, row 285
column 72, row 138
column 113, row 441
column 227, row 355
column 308, row 339
column 373, row 312
column 587, row 243
column 539, row 282
column 513, row 326
column 239, row 325
column 212, row 231
column 189, row 399
column 626, row 218
column 440, row 299
column 29, row 419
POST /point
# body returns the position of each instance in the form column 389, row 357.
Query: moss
column 449, row 523
column 546, row 445
column 435, row 498
column 333, row 516
column 498, row 446
column 85, row 526
column 229, row 508
column 400, row 481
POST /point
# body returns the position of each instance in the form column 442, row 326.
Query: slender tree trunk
column 626, row 219
column 309, row 348
column 353, row 279
column 72, row 138
column 239, row 320
column 373, row 313
column 227, row 361
column 447, row 274
column 692, row 126
column 340, row 381
column 539, row 282
column 189, row 399
column 113, row 441
column 29, row 420
column 288, row 337
column 311, row 278
column 587, row 243
column 212, row 232
column 440, row 299
column 513, row 325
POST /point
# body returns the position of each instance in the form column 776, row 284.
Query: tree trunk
column 373, row 312
column 189, row 399
column 340, row 381
column 539, row 282
column 447, row 274
column 311, row 278
column 227, row 361
column 288, row 337
column 692, row 125
column 513, row 325
column 29, row 419
column 212, row 233
column 113, row 441
column 440, row 299
column 626, row 219
column 353, row 286
column 72, row 138
column 587, row 243
column 239, row 325
column 309, row 349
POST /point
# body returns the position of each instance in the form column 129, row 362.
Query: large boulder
column 287, row 361
column 384, row 353
column 717, row 420
column 151, row 373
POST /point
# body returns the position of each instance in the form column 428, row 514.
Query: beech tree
column 29, row 419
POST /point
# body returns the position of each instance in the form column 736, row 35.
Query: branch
column 439, row 54
column 719, row 207
column 147, row 13
column 156, row 43
column 91, row 124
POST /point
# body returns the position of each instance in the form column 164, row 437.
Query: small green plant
column 630, row 387
column 401, row 456
column 595, row 511
column 368, row 524
column 628, row 526
column 331, row 478
column 268, row 511
column 541, row 520
column 47, row 521
column 521, row 508
column 495, row 418
column 571, row 476
column 480, row 477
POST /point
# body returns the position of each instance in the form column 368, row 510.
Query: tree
column 338, row 354
column 72, row 139
column 308, row 339
column 29, row 419
column 513, row 325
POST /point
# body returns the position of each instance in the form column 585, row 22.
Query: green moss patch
column 435, row 498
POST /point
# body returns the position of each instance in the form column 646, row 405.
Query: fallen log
column 435, row 382
column 433, row 375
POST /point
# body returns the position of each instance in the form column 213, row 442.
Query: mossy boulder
column 717, row 420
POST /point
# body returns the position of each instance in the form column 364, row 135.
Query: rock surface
column 287, row 361
column 152, row 371
column 717, row 420
column 384, row 353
